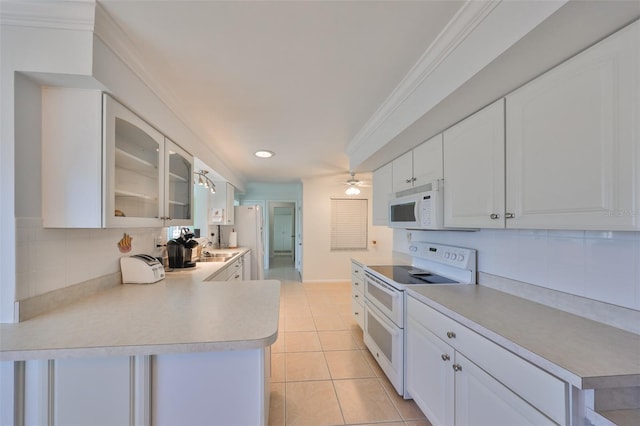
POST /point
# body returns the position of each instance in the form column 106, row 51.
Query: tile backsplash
column 603, row 266
column 49, row 259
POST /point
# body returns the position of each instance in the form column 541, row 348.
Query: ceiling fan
column 352, row 185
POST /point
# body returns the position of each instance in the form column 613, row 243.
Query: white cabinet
column 87, row 391
column 457, row 376
column 178, row 185
column 106, row 167
column 357, row 292
column 474, row 170
column 573, row 141
column 246, row 267
column 382, row 192
column 429, row 378
column 221, row 210
column 571, row 153
column 418, row 167
column 234, row 270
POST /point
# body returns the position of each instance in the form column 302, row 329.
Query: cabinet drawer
column 357, row 307
column 542, row 390
column 357, row 284
column 357, row 270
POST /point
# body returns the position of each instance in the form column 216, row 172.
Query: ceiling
column 302, row 78
column 299, row 78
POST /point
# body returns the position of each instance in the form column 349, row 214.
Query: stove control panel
column 458, row 257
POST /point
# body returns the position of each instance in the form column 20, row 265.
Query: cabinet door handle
column 451, row 335
column 509, row 215
column 408, row 181
column 413, row 179
column 456, row 367
column 494, row 216
column 445, row 357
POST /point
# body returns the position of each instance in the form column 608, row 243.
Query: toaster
column 141, row 269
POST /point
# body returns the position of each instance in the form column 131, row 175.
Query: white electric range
column 385, row 299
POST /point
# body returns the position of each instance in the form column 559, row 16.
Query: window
column 348, row 224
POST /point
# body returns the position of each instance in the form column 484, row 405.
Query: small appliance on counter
column 179, row 250
column 141, row 269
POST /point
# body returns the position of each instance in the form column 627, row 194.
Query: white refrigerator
column 248, row 226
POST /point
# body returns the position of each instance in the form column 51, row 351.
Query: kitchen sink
column 217, row 257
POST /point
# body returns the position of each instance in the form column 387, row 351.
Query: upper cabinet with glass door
column 135, row 164
column 106, row 167
column 179, row 185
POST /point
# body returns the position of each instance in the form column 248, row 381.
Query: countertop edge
column 160, row 349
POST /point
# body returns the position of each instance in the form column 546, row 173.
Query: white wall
column 34, row 260
column 603, row 266
column 320, row 263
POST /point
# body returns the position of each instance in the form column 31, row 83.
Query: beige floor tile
column 306, row 366
column 299, row 323
column 277, row 404
column 312, row 404
column 302, row 341
column 358, row 337
column 348, row 365
column 278, row 345
column 329, row 322
column 277, row 367
column 384, row 424
column 339, row 340
column 364, row 400
column 407, row 408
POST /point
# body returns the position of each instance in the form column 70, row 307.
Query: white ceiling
column 299, row 78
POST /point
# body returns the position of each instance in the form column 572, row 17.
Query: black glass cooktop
column 405, row 274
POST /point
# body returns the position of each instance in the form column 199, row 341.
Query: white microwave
column 422, row 210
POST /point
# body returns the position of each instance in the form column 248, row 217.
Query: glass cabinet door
column 134, row 169
column 179, row 185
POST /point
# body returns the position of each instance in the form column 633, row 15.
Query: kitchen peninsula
column 183, row 350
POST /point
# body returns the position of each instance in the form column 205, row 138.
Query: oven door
column 386, row 298
column 385, row 341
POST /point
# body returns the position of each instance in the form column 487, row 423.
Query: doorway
column 282, row 231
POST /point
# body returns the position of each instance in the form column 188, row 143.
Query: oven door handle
column 382, row 319
column 383, row 287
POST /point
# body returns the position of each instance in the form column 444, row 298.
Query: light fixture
column 352, row 188
column 203, row 180
column 263, row 153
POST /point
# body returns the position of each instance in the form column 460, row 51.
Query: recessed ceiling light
column 263, row 154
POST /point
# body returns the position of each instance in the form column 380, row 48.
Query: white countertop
column 585, row 353
column 178, row 314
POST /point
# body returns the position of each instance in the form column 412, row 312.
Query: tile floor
column 322, row 373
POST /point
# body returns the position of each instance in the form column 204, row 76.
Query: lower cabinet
column 486, row 385
column 357, row 292
column 203, row 388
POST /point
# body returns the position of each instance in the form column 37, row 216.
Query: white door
column 474, row 170
column 283, row 230
column 572, row 141
column 427, row 161
column 92, row 391
column 480, row 400
column 381, row 193
column 403, row 172
column 429, row 376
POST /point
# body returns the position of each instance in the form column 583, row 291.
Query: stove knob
column 461, row 257
column 454, row 256
column 447, row 255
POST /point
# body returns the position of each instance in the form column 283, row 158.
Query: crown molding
column 63, row 15
column 470, row 15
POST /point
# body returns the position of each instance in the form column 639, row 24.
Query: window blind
column 348, row 223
